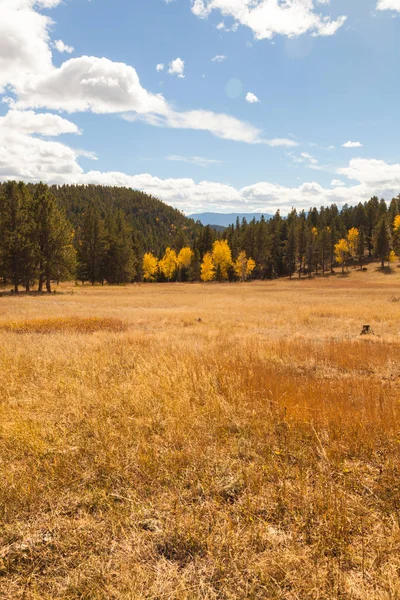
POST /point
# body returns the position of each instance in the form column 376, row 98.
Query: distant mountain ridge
column 226, row 219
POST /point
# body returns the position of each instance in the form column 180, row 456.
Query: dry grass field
column 187, row 442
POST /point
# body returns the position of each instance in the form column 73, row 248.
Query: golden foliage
column 207, row 268
column 396, row 223
column 352, row 240
column 222, row 257
column 150, row 265
column 169, row 263
column 243, row 266
column 185, row 257
column 341, row 251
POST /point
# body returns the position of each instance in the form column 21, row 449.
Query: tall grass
column 244, row 456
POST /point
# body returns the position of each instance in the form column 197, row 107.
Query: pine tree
column 195, row 266
column 91, row 246
column 360, row 249
column 57, row 256
column 17, row 241
column 119, row 260
column 382, row 240
column 290, row 250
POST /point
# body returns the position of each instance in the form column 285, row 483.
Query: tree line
column 105, row 235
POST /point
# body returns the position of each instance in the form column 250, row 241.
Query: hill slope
column 156, row 223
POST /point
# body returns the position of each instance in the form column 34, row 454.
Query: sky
column 209, row 105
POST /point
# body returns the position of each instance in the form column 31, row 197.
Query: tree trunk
column 28, row 287
column 48, row 285
column 16, row 286
column 40, row 284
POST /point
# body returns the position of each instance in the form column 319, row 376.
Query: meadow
column 202, row 441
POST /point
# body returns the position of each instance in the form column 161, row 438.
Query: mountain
column 226, row 219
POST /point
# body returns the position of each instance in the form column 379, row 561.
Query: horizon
column 296, row 90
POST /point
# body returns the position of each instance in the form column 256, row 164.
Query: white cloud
column 160, row 67
column 251, row 98
column 98, row 85
column 89, row 83
column 220, row 125
column 199, row 161
column 61, row 47
column 337, row 183
column 373, row 178
column 177, row 67
column 267, row 18
column 24, row 38
column 219, row 58
column 352, row 145
column 28, row 122
column 24, row 156
column 388, row 5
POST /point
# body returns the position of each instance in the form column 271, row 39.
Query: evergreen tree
column 360, row 249
column 17, row 240
column 119, row 261
column 290, row 250
column 91, row 246
column 382, row 240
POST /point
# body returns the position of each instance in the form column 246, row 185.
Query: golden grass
column 64, row 324
column 254, row 454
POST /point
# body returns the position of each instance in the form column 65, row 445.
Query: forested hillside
column 116, row 235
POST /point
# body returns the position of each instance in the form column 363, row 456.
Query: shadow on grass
column 23, row 294
column 384, row 270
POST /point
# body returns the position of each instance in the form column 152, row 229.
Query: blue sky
column 255, row 104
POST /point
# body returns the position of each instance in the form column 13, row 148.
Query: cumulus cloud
column 251, row 98
column 160, row 67
column 99, row 85
column 337, row 183
column 89, row 83
column 28, row 122
column 61, row 47
column 24, row 37
column 177, row 67
column 25, row 156
column 388, row 5
column 352, row 145
column 267, row 18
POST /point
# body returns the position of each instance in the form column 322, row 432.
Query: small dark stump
column 367, row 330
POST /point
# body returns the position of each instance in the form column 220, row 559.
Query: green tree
column 91, row 246
column 382, row 240
column 119, row 260
column 17, row 235
column 55, row 236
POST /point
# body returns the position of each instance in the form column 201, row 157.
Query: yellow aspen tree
column 392, row 257
column 207, row 268
column 169, row 263
column 222, row 258
column 243, row 266
column 396, row 223
column 352, row 241
column 185, row 257
column 150, row 264
column 341, row 252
